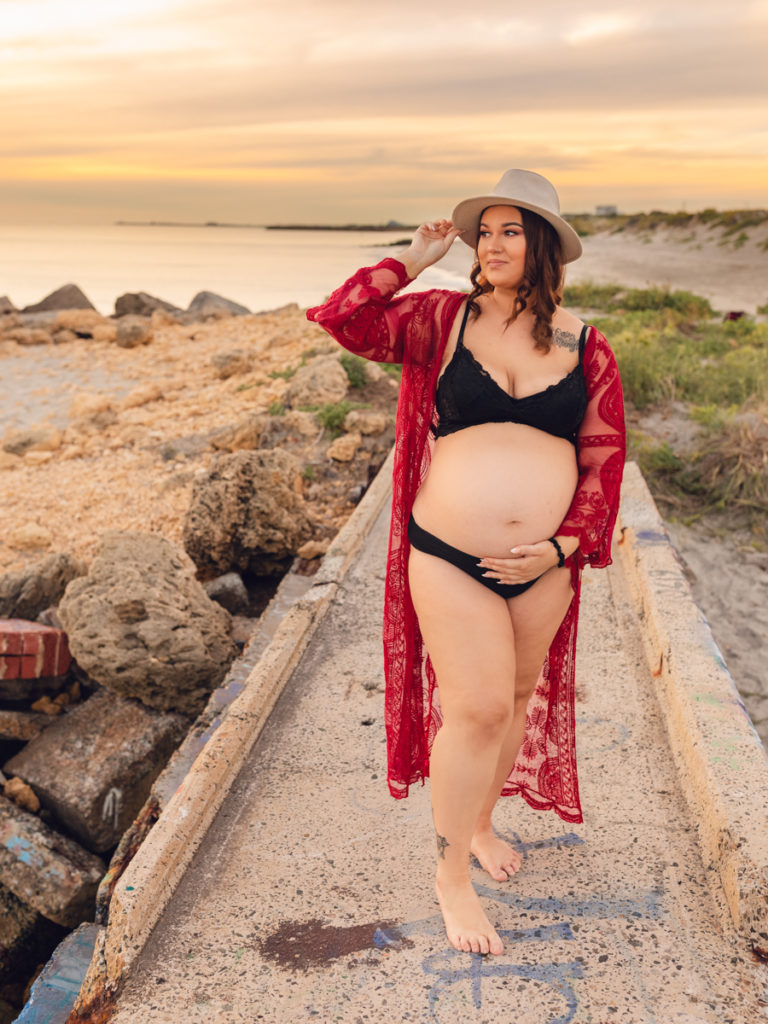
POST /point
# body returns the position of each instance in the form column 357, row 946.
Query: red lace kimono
column 365, row 317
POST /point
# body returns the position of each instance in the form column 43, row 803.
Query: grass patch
column 763, row 310
column 276, row 408
column 354, row 367
column 615, row 298
column 283, row 374
column 726, row 472
column 332, row 415
column 664, row 356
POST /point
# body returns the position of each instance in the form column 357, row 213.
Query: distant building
column 606, row 211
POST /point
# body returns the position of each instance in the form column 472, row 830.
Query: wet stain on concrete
column 297, row 945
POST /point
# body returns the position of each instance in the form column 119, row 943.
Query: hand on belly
column 527, row 562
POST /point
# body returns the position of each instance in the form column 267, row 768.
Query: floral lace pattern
column 366, row 316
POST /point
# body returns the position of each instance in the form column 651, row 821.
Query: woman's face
column 501, row 246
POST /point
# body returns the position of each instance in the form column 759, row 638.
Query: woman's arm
column 363, row 314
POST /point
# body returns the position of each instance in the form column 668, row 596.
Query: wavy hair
column 541, row 288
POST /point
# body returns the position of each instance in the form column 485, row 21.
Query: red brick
column 10, row 667
column 44, row 650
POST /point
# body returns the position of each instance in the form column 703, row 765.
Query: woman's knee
column 483, row 720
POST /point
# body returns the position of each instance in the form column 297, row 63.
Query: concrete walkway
column 311, row 896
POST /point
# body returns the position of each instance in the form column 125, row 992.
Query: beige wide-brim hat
column 524, row 189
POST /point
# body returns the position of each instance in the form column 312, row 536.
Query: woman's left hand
column 526, row 562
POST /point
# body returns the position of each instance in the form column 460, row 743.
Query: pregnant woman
column 508, row 461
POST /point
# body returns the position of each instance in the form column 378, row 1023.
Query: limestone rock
column 227, row 364
column 140, row 623
column 322, row 381
column 8, row 461
column 86, row 405
column 314, row 548
column 69, row 296
column 294, row 427
column 141, row 304
column 82, row 322
column 229, row 591
column 343, row 449
column 125, row 746
column 28, row 336
column 209, row 304
column 244, row 435
column 142, row 395
column 46, row 870
column 6, row 306
column 246, row 515
column 106, row 332
column 367, row 421
column 22, row 794
column 43, row 437
column 29, row 537
column 29, row 591
column 162, row 318
column 133, row 331
column 64, row 337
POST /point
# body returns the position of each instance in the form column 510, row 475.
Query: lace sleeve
column 365, row 317
column 600, row 448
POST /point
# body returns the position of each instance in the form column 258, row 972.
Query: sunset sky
column 337, row 111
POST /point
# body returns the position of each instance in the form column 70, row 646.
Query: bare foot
column 466, row 925
column 496, row 856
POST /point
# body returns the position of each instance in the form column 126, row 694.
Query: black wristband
column 559, row 550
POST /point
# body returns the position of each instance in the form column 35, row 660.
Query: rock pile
column 259, row 445
column 68, row 314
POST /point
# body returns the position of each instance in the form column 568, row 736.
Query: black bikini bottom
column 427, row 542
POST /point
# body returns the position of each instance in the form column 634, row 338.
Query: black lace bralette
column 467, row 395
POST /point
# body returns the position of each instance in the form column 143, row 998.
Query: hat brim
column 467, row 214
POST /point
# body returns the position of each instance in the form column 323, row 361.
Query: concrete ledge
column 151, row 878
column 723, row 764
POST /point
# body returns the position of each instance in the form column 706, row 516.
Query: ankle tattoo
column 442, row 842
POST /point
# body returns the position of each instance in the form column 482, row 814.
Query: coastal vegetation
column 701, row 380
column 728, row 223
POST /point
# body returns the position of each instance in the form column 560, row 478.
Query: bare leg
column 469, row 635
column 536, row 616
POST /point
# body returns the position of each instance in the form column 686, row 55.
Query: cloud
column 380, row 97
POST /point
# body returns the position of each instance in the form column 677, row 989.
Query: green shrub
column 354, row 366
column 276, row 408
column 332, row 415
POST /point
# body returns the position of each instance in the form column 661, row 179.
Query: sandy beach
column 133, row 428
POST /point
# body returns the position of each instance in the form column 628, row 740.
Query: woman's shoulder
column 567, row 321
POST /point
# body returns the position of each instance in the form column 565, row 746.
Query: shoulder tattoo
column 565, row 339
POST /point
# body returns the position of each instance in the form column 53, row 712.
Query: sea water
column 259, row 268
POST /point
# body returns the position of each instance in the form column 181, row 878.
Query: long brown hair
column 541, row 288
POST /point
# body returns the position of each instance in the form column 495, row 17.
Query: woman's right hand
column 429, row 244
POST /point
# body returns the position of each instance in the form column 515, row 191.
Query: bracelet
column 559, row 550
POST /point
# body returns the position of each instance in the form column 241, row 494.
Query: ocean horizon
column 261, row 268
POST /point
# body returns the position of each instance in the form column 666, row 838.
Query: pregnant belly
column 495, row 485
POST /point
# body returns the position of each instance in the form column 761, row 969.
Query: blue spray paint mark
column 23, row 850
column 558, row 976
column 522, row 847
column 648, row 904
column 654, row 537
